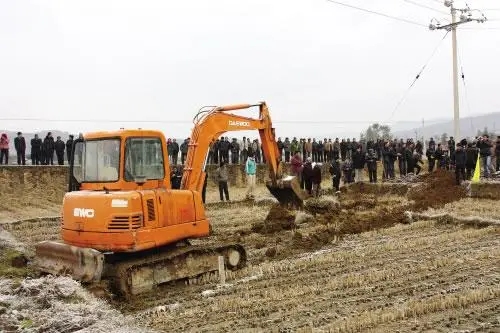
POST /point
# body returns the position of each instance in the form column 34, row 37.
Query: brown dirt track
column 370, row 272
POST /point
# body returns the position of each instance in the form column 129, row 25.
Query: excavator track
column 130, row 277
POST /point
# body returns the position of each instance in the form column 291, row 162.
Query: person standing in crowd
column 222, row 179
column 4, row 149
column 249, row 149
column 336, row 149
column 256, row 151
column 408, row 158
column 280, row 145
column 307, row 174
column 314, row 150
column 389, row 159
column 175, row 178
column 48, row 148
column 224, row 146
column 210, row 157
column 36, row 150
column 358, row 163
column 69, row 147
column 371, row 164
column 59, row 146
column 336, row 174
column 294, row 146
column 169, row 150
column 235, row 151
column 308, row 146
column 431, row 155
column 296, row 168
column 451, row 149
column 343, row 149
column 287, row 146
column 327, row 156
column 244, row 150
column 399, row 154
column 484, row 146
column 184, row 150
column 175, row 151
column 316, row 179
column 20, row 145
column 250, row 170
column 216, row 146
column 460, row 162
column 347, row 169
column 471, row 154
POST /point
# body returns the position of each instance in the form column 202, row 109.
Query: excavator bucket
column 288, row 192
column 83, row 264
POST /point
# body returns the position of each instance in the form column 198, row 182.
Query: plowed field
column 348, row 264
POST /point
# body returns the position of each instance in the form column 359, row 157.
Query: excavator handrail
column 203, row 113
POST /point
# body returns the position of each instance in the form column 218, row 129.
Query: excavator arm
column 211, row 122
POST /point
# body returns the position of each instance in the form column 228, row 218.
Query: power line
column 378, row 13
column 190, row 122
column 417, row 77
column 482, row 28
column 424, row 6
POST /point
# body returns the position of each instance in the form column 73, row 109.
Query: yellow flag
column 477, row 171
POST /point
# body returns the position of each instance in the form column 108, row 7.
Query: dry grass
column 342, row 290
column 470, row 207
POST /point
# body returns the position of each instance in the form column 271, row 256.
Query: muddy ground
column 346, row 263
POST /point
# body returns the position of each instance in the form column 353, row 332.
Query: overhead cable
column 378, row 13
column 417, row 77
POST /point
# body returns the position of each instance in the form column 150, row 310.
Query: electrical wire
column 482, row 28
column 427, row 7
column 189, row 122
column 417, row 77
column 378, row 13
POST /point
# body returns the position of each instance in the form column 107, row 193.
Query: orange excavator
column 121, row 219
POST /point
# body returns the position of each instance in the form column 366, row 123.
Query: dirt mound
column 360, row 202
column 277, row 220
column 322, row 205
column 346, row 222
column 435, row 190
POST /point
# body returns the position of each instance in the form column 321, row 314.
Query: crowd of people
column 347, row 158
column 42, row 152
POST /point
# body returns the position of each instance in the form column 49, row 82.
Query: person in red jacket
column 4, row 149
column 296, row 168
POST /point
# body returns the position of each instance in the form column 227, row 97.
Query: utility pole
column 465, row 17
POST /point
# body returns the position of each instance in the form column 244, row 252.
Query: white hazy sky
column 310, row 60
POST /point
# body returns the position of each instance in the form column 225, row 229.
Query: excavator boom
column 211, row 122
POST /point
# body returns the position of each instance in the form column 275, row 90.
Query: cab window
column 97, row 161
column 143, row 158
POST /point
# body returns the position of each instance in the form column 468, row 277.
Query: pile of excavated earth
column 363, row 259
